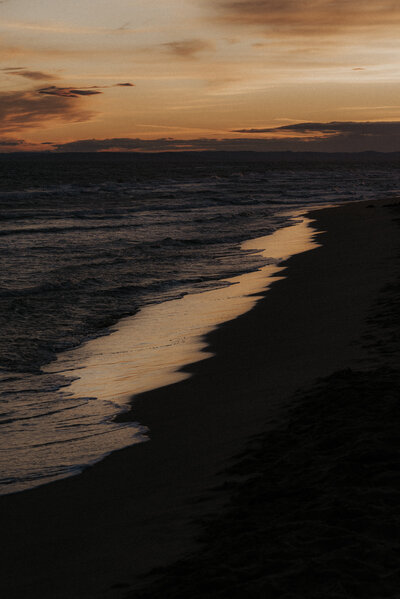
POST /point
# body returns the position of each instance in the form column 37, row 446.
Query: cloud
column 10, row 143
column 33, row 75
column 124, row 26
column 69, row 92
column 73, row 92
column 188, row 48
column 307, row 17
column 333, row 128
column 300, row 137
column 130, row 144
column 35, row 108
column 347, row 136
column 30, row 109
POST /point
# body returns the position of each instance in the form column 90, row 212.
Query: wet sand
column 149, row 350
column 95, row 534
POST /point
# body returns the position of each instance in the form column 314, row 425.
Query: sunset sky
column 199, row 74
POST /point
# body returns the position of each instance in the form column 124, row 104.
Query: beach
column 326, row 333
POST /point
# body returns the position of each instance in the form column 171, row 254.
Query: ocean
column 86, row 240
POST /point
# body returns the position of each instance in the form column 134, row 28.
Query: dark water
column 88, row 239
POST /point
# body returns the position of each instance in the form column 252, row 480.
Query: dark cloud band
column 72, row 92
column 304, row 137
column 68, row 92
column 334, row 128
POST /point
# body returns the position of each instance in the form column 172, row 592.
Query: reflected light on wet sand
column 147, row 350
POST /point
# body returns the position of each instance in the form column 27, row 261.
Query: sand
column 94, row 535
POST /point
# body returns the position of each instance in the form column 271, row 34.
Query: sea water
column 88, row 240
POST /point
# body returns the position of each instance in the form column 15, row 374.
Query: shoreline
column 142, row 353
column 133, row 511
column 148, row 351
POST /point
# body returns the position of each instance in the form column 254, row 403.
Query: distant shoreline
column 284, row 155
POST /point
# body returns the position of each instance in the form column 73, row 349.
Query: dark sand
column 319, row 516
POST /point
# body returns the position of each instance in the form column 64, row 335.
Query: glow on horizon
column 199, row 70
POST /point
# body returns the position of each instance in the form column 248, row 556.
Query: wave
column 80, row 249
column 61, row 230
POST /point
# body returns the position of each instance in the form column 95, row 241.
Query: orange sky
column 216, row 73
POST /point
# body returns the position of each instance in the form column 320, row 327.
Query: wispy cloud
column 28, row 50
column 124, row 27
column 10, row 144
column 37, row 108
column 76, row 30
column 33, row 75
column 7, row 142
column 53, row 28
column 188, row 48
column 21, row 110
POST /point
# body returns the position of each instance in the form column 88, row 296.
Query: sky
column 165, row 75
